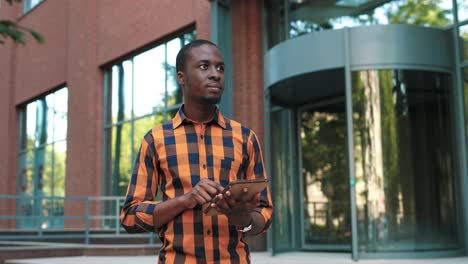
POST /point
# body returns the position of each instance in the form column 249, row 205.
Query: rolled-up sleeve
column 137, row 212
column 256, row 169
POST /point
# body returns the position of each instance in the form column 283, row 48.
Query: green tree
column 419, row 12
column 11, row 29
column 429, row 13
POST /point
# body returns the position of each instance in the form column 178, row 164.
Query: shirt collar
column 181, row 118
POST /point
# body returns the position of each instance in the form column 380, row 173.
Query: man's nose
column 215, row 74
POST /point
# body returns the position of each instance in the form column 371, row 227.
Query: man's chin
column 212, row 100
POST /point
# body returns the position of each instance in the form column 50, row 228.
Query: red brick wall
column 8, row 122
column 80, row 37
column 248, row 74
column 248, row 64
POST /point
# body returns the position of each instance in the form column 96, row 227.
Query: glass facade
column 141, row 92
column 463, row 31
column 41, row 160
column 282, row 166
column 377, row 168
column 404, row 163
column 30, row 4
column 292, row 18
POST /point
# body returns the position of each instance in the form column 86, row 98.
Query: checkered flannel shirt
column 173, row 158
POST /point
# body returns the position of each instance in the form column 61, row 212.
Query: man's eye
column 204, row 67
column 220, row 68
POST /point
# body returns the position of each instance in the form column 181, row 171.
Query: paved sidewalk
column 257, row 258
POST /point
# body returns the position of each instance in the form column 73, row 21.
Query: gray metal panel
column 312, row 52
column 371, row 47
column 400, row 45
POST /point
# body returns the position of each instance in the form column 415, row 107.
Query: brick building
column 360, row 109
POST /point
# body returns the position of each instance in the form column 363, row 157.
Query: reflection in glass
column 121, row 156
column 327, row 218
column 464, row 43
column 41, row 157
column 141, row 127
column 465, row 99
column 403, row 131
column 174, row 93
column 122, row 93
column 309, row 16
column 281, row 173
column 60, row 114
column 462, row 10
column 306, row 16
column 31, row 125
column 150, row 80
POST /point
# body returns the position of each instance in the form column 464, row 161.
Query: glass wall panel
column 309, row 16
column 276, row 23
column 464, row 43
column 41, row 159
column 281, row 173
column 60, row 115
column 142, row 126
column 327, row 217
column 150, row 81
column 122, row 156
column 174, row 93
column 305, row 16
column 122, row 93
column 465, row 97
column 462, row 10
column 404, row 156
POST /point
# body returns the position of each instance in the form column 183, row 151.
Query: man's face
column 203, row 77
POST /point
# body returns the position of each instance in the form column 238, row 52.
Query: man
column 190, row 159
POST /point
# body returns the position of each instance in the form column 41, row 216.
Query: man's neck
column 199, row 113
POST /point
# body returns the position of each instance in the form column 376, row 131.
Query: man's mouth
column 214, row 87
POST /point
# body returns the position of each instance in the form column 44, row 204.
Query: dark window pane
column 327, row 217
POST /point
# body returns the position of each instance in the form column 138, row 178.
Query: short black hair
column 185, row 50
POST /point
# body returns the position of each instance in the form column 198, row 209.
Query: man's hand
column 237, row 209
column 201, row 193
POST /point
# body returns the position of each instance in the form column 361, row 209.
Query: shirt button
column 204, row 166
column 208, row 232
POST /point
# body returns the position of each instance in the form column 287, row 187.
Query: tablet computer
column 237, row 189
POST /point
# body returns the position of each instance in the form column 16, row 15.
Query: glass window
column 306, row 16
column 143, row 92
column 282, row 169
column 30, row 4
column 464, row 43
column 462, row 10
column 41, row 158
column 465, row 91
column 327, row 217
column 404, row 160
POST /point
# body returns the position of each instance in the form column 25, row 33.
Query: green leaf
column 39, row 38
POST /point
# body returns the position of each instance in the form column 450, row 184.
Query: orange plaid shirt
column 173, row 158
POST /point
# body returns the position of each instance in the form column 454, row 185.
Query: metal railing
column 44, row 217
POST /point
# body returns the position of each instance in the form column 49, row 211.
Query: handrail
column 43, row 218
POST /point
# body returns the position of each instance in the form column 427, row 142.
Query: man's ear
column 181, row 79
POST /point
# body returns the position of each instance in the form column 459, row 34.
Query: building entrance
column 326, row 222
column 362, row 143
